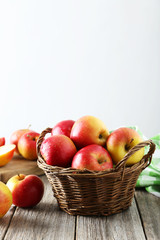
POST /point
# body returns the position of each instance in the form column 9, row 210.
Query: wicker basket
column 85, row 192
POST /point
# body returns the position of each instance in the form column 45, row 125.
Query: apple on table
column 92, row 157
column 2, row 141
column 27, row 145
column 27, row 190
column 15, row 136
column 6, row 153
column 120, row 141
column 89, row 130
column 5, row 199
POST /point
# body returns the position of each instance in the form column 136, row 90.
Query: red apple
column 6, row 153
column 63, row 128
column 27, row 191
column 5, row 199
column 2, row 141
column 121, row 141
column 89, row 130
column 92, row 157
column 27, row 145
column 58, row 150
column 15, row 136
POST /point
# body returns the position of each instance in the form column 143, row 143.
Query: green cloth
column 150, row 176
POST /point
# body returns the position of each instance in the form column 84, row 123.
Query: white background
column 65, row 59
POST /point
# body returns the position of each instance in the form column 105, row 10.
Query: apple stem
column 127, row 146
column 100, row 136
column 100, row 161
column 131, row 140
column 29, row 126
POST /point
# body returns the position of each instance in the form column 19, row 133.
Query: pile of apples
column 21, row 190
column 25, row 142
column 87, row 144
column 22, row 142
column 82, row 144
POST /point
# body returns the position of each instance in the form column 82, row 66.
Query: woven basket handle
column 41, row 138
column 140, row 145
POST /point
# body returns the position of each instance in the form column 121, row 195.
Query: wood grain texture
column 19, row 165
column 149, row 207
column 44, row 221
column 5, row 222
column 124, row 226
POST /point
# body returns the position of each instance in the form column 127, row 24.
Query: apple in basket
column 27, row 190
column 63, row 128
column 58, row 150
column 92, row 157
column 89, row 130
column 121, row 141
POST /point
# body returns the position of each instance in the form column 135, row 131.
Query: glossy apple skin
column 63, row 128
column 27, row 145
column 2, row 141
column 6, row 153
column 120, row 142
column 58, row 150
column 27, row 190
column 89, row 130
column 5, row 199
column 15, row 136
column 92, row 157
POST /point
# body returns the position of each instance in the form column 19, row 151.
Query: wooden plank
column 125, row 225
column 19, row 165
column 149, row 207
column 5, row 222
column 44, row 221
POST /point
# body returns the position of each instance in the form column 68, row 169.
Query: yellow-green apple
column 89, row 130
column 58, row 150
column 27, row 190
column 121, row 141
column 5, row 199
column 2, row 141
column 63, row 128
column 27, row 145
column 6, row 153
column 92, row 157
column 15, row 136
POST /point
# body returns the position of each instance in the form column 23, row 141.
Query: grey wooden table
column 45, row 221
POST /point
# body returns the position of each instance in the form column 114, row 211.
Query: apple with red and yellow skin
column 120, row 142
column 89, row 130
column 58, row 150
column 92, row 157
column 5, row 199
column 27, row 190
column 63, row 128
column 6, row 153
column 27, row 145
column 2, row 141
column 15, row 136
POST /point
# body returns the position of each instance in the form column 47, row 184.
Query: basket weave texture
column 85, row 192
